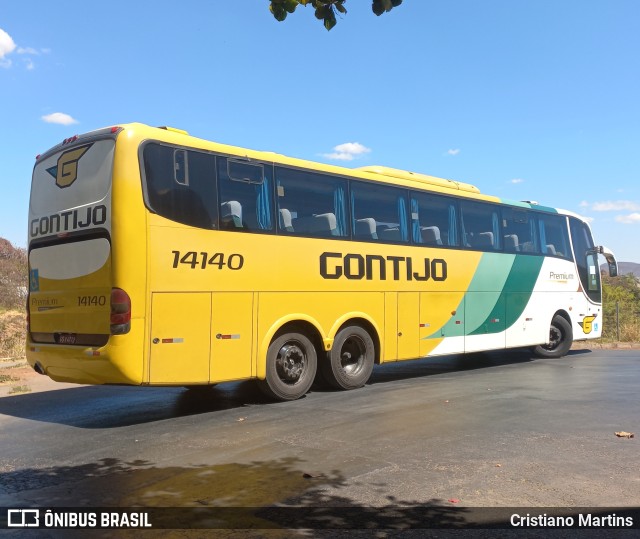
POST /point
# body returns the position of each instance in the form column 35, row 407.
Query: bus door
column 441, row 323
column 180, row 338
column 528, row 319
column 485, row 314
column 231, row 335
column 408, row 325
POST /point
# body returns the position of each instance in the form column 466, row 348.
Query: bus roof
column 409, row 179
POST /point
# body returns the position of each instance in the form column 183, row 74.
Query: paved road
column 498, row 429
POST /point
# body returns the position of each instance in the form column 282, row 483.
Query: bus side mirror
column 611, row 260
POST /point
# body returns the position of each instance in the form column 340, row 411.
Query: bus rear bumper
column 120, row 361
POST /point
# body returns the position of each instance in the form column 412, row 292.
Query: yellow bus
column 157, row 258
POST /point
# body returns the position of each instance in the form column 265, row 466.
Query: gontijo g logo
column 66, row 170
column 588, row 325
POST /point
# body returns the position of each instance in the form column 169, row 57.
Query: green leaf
column 341, row 8
column 278, row 12
column 381, row 6
column 377, row 7
column 290, row 5
column 330, row 22
column 322, row 12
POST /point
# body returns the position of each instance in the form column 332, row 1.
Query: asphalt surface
column 450, row 434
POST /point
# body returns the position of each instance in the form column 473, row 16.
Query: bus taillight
column 120, row 312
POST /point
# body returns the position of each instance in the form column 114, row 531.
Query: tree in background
column 13, row 276
column 13, row 297
column 621, row 307
column 326, row 10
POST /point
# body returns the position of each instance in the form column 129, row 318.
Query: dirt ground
column 17, row 377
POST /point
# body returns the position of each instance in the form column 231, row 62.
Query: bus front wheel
column 291, row 367
column 560, row 339
column 350, row 362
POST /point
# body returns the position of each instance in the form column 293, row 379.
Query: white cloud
column 31, row 51
column 7, row 46
column 517, row 180
column 584, row 204
column 453, row 151
column 59, row 118
column 615, row 205
column 347, row 151
column 631, row 219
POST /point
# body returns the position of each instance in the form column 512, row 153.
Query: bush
column 13, row 276
column 621, row 306
column 13, row 327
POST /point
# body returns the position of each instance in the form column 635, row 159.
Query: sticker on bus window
column 34, row 281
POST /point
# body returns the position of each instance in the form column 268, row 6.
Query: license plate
column 67, row 338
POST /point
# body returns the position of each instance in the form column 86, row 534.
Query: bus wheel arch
column 290, row 360
column 349, row 363
column 560, row 337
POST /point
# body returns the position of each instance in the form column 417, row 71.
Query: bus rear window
column 74, row 177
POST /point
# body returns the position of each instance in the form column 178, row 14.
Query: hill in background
column 625, row 268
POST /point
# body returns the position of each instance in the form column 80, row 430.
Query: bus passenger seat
column 484, row 240
column 323, row 224
column 366, row 228
column 511, row 243
column 431, row 235
column 286, row 222
column 390, row 234
column 551, row 249
column 231, row 214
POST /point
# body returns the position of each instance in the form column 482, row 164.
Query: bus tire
column 350, row 362
column 291, row 367
column 560, row 339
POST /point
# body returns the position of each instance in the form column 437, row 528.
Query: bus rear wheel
column 560, row 339
column 350, row 362
column 291, row 367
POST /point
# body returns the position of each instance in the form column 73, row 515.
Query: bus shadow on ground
column 100, row 407
column 448, row 364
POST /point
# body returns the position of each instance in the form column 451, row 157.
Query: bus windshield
column 586, row 258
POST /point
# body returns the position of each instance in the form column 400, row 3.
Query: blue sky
column 528, row 100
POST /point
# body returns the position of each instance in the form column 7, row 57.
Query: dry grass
column 13, row 328
column 20, row 389
column 630, row 332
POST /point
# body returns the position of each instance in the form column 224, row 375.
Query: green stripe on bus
column 521, row 281
column 485, row 291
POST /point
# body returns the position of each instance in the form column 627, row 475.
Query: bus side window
column 310, row 204
column 379, row 213
column 519, row 231
column 480, row 226
column 180, row 185
column 554, row 239
column 245, row 195
column 433, row 220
